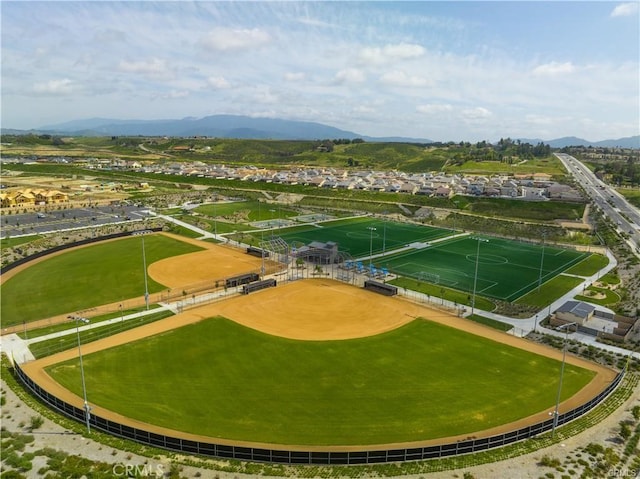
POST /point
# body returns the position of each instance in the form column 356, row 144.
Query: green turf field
column 355, row 237
column 506, row 269
column 221, row 379
column 84, row 278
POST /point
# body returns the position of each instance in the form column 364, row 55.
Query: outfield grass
column 84, row 278
column 421, row 381
column 550, row 291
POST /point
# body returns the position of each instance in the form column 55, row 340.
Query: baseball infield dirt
column 332, row 311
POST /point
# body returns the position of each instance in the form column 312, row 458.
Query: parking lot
column 39, row 222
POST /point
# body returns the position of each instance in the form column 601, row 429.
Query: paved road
column 624, row 215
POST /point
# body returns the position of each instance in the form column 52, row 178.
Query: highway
column 613, row 205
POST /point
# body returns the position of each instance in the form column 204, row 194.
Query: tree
column 625, row 430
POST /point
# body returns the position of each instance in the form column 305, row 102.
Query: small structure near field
column 595, row 322
column 318, row 252
column 241, row 279
column 259, row 252
column 258, row 285
column 381, row 288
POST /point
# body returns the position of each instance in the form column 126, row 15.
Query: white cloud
column 350, row 75
column 477, row 114
column 55, row 87
column 553, row 69
column 230, row 39
column 391, row 53
column 401, row 79
column 295, row 76
column 218, row 82
column 434, row 108
column 154, row 67
column 625, row 9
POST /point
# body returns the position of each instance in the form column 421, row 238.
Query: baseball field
column 310, row 363
column 319, row 363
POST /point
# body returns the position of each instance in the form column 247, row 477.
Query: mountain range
column 244, row 127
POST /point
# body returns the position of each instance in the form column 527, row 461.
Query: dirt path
column 329, row 306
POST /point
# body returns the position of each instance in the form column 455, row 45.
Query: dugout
column 258, row 285
column 381, row 288
column 259, row 252
column 241, row 279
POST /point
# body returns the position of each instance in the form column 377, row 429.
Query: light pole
column 564, row 355
column 475, row 276
column 384, row 238
column 371, row 229
column 215, row 218
column 144, row 270
column 87, row 409
column 541, row 262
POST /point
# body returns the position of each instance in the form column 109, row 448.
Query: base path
column 313, row 310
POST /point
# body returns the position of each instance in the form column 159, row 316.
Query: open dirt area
column 212, row 263
column 329, row 314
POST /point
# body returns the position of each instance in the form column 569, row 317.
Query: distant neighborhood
column 532, row 187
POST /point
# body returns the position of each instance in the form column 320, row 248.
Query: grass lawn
column 249, row 210
column 34, row 333
column 86, row 277
column 550, row 291
column 52, row 346
column 420, row 381
column 12, row 242
column 610, row 296
column 589, row 266
column 632, row 195
column 499, row 325
column 438, row 291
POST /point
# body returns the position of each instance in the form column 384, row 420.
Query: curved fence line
column 283, row 456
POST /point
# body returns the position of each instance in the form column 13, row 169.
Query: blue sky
column 439, row 70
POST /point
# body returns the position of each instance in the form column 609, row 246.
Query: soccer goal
column 428, row 277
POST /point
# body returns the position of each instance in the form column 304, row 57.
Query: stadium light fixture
column 564, row 355
column 144, row 270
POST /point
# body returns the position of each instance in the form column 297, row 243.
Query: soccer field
column 358, row 236
column 506, row 269
column 421, row 381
